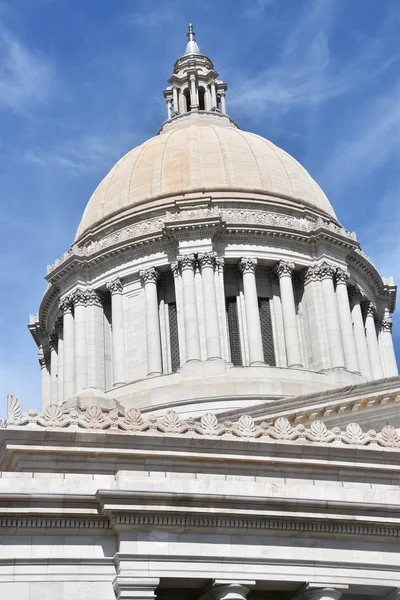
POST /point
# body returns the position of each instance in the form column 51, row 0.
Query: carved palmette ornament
column 209, row 425
column 53, row 417
column 246, row 427
column 354, row 435
column 14, row 413
column 171, row 423
column 283, row 430
column 93, row 418
column 319, row 432
column 388, row 437
column 133, row 421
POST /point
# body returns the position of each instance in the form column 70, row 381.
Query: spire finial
column 191, row 47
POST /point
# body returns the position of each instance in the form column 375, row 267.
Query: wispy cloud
column 26, row 78
column 372, row 141
column 255, row 8
column 306, row 74
column 150, row 18
column 85, row 154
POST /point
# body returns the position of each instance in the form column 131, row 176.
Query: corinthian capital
column 370, row 309
column 94, row 298
column 42, row 358
column 311, row 274
column 115, row 286
column 284, row 269
column 186, row 261
column 150, row 275
column 326, row 271
column 66, row 305
column 387, row 324
column 207, row 259
column 341, row 276
column 247, row 265
column 79, row 297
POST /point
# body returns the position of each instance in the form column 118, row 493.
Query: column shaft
column 223, row 103
column 153, row 333
column 391, row 369
column 230, row 591
column 117, row 323
column 359, row 334
column 284, row 271
column 175, row 99
column 192, row 339
column 248, row 268
column 346, row 325
column 213, row 95
column 80, row 319
column 95, row 341
column 68, row 348
column 60, row 374
column 372, row 342
column 211, row 324
column 326, row 272
column 53, row 343
column 45, row 379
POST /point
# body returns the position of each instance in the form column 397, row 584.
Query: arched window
column 186, row 93
column 202, row 102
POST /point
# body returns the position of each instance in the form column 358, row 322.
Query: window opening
column 233, row 329
column 266, row 331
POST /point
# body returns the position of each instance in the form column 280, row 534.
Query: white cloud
column 85, row 154
column 306, row 74
column 25, row 77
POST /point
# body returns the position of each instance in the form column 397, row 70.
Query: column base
column 296, row 366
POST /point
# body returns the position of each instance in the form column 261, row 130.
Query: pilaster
column 186, row 264
column 115, row 288
column 207, row 265
column 326, row 272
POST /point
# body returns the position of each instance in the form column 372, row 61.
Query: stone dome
column 190, row 157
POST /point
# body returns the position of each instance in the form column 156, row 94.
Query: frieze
column 231, row 216
column 133, row 421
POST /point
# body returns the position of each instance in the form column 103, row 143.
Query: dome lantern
column 194, row 84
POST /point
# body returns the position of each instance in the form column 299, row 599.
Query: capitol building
column 219, row 401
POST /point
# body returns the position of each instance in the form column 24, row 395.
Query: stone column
column 231, row 590
column 66, row 307
column 45, row 383
column 169, row 107
column 372, row 341
column 153, row 334
column 326, row 273
column 80, row 318
column 211, row 325
column 323, row 593
column 95, row 340
column 359, row 333
column 284, row 270
column 175, row 98
column 117, row 322
column 346, row 325
column 60, row 361
column 127, row 587
column 247, row 267
column 192, row 341
column 213, row 95
column 53, row 345
column 223, row 103
column 194, row 100
column 391, row 369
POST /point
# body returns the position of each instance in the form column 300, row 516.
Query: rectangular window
column 173, row 336
column 233, row 329
column 266, row 331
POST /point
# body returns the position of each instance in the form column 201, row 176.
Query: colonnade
column 221, row 589
column 72, row 361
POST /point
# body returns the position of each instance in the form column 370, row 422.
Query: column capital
column 247, row 265
column 219, row 263
column 370, row 309
column 311, row 274
column 66, row 305
column 284, row 269
column 42, row 358
column 207, row 259
column 230, row 590
column 341, row 276
column 131, row 588
column 79, row 297
column 53, row 341
column 319, row 592
column 387, row 324
column 150, row 275
column 115, row 286
column 186, row 261
column 326, row 270
column 94, row 298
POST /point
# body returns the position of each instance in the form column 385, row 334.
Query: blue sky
column 81, row 83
